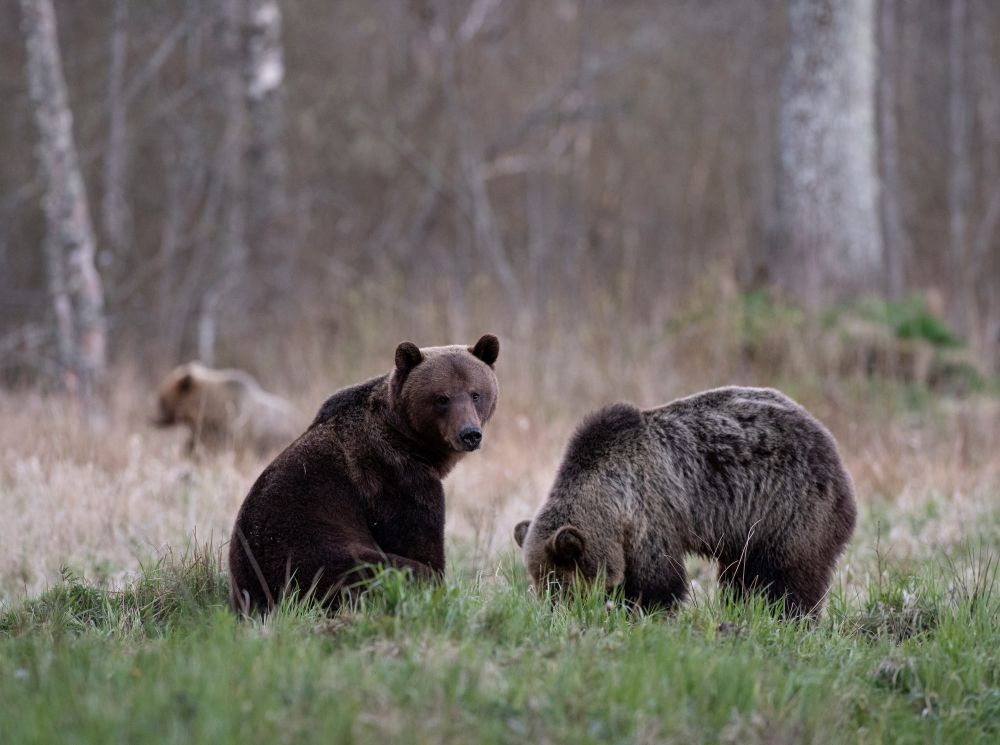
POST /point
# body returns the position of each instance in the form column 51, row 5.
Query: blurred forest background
column 292, row 186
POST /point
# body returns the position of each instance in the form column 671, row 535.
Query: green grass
column 911, row 658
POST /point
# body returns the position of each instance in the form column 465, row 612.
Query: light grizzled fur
column 225, row 409
column 742, row 475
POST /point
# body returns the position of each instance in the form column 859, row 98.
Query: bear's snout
column 471, row 438
column 164, row 416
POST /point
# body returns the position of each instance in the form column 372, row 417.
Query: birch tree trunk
column 266, row 161
column 253, row 164
column 231, row 269
column 74, row 283
column 829, row 239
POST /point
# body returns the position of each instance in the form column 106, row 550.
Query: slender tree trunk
column 231, row 271
column 959, row 165
column 486, row 233
column 986, row 244
column 234, row 143
column 115, row 215
column 76, row 289
column 62, row 310
column 266, row 161
column 174, row 167
column 894, row 238
column 829, row 243
column 582, row 146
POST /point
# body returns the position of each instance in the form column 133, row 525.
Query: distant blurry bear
column 362, row 486
column 745, row 476
column 225, row 409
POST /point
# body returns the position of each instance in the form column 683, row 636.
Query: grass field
column 114, row 624
column 906, row 652
column 899, row 657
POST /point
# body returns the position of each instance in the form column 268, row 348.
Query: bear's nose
column 471, row 437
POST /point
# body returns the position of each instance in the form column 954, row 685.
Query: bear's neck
column 404, row 439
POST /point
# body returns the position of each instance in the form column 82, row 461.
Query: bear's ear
column 186, row 383
column 520, row 531
column 408, row 356
column 487, row 349
column 566, row 545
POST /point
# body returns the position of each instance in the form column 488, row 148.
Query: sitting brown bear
column 362, row 486
column 745, row 476
column 225, row 408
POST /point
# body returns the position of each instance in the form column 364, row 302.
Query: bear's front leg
column 364, row 558
column 661, row 583
column 350, row 569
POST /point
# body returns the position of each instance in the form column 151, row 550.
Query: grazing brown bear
column 362, row 486
column 745, row 476
column 225, row 408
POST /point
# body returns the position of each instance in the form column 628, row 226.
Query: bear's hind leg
column 743, row 576
column 802, row 589
column 805, row 591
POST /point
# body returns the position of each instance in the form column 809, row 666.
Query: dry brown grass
column 927, row 475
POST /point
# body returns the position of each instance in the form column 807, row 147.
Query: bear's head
column 445, row 395
column 559, row 553
column 579, row 532
column 176, row 396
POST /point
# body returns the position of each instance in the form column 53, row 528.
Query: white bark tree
column 829, row 239
column 231, row 269
column 266, row 161
column 75, row 285
column 252, row 164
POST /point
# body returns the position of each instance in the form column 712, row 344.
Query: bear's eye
column 475, row 397
column 441, row 400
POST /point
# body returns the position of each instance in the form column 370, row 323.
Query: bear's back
column 742, row 458
column 729, row 398
column 347, row 402
column 758, row 420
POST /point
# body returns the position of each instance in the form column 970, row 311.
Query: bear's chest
column 407, row 513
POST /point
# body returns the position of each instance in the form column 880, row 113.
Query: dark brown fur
column 742, row 475
column 363, row 486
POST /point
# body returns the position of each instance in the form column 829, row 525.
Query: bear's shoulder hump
column 603, row 426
